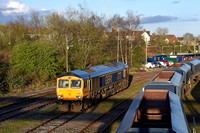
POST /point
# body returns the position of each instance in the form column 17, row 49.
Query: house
column 134, row 35
column 146, row 37
column 169, row 39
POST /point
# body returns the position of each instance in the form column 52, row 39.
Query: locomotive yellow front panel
column 69, row 88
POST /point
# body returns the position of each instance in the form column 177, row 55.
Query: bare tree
column 162, row 31
column 133, row 22
column 188, row 38
column 198, row 37
column 21, row 20
column 35, row 21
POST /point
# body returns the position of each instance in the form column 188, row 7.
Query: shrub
column 33, row 61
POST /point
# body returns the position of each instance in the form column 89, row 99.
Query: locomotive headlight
column 143, row 89
column 79, row 97
column 59, row 96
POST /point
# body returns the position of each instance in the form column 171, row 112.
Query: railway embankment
column 191, row 104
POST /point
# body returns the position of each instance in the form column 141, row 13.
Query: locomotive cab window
column 76, row 84
column 63, row 83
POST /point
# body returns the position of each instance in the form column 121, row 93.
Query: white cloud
column 15, row 7
column 9, row 9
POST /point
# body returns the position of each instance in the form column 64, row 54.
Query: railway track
column 12, row 114
column 56, row 123
column 18, row 99
column 12, row 107
column 101, row 123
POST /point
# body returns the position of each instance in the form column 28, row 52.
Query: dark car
column 157, row 64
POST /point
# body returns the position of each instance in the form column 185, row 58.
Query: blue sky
column 179, row 16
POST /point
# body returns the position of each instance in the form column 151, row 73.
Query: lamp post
column 180, row 47
column 146, row 49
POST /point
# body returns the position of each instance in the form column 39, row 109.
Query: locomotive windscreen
column 63, row 83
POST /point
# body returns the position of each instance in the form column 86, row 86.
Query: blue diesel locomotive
column 76, row 90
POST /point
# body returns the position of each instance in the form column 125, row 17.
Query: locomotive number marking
column 119, row 75
column 108, row 79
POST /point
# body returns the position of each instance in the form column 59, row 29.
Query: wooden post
column 67, row 48
column 118, row 47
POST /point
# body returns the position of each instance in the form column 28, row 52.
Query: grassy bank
column 192, row 106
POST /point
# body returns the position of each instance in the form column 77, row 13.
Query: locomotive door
column 90, row 85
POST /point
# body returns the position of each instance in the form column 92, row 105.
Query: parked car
column 171, row 63
column 162, row 63
column 157, row 64
column 150, row 65
column 167, row 63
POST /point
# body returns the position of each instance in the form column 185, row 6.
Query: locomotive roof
column 96, row 71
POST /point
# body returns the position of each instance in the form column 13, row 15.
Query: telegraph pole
column 118, row 47
column 67, row 48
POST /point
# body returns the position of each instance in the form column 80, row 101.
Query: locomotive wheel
column 86, row 104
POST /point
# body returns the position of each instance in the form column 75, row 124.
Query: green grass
column 124, row 95
column 192, row 106
column 19, row 125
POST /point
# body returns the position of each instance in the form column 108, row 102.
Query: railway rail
column 18, row 99
column 8, row 115
column 55, row 124
column 100, row 123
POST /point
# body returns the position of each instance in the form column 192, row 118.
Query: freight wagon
column 155, row 111
column 166, row 80
column 182, row 68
